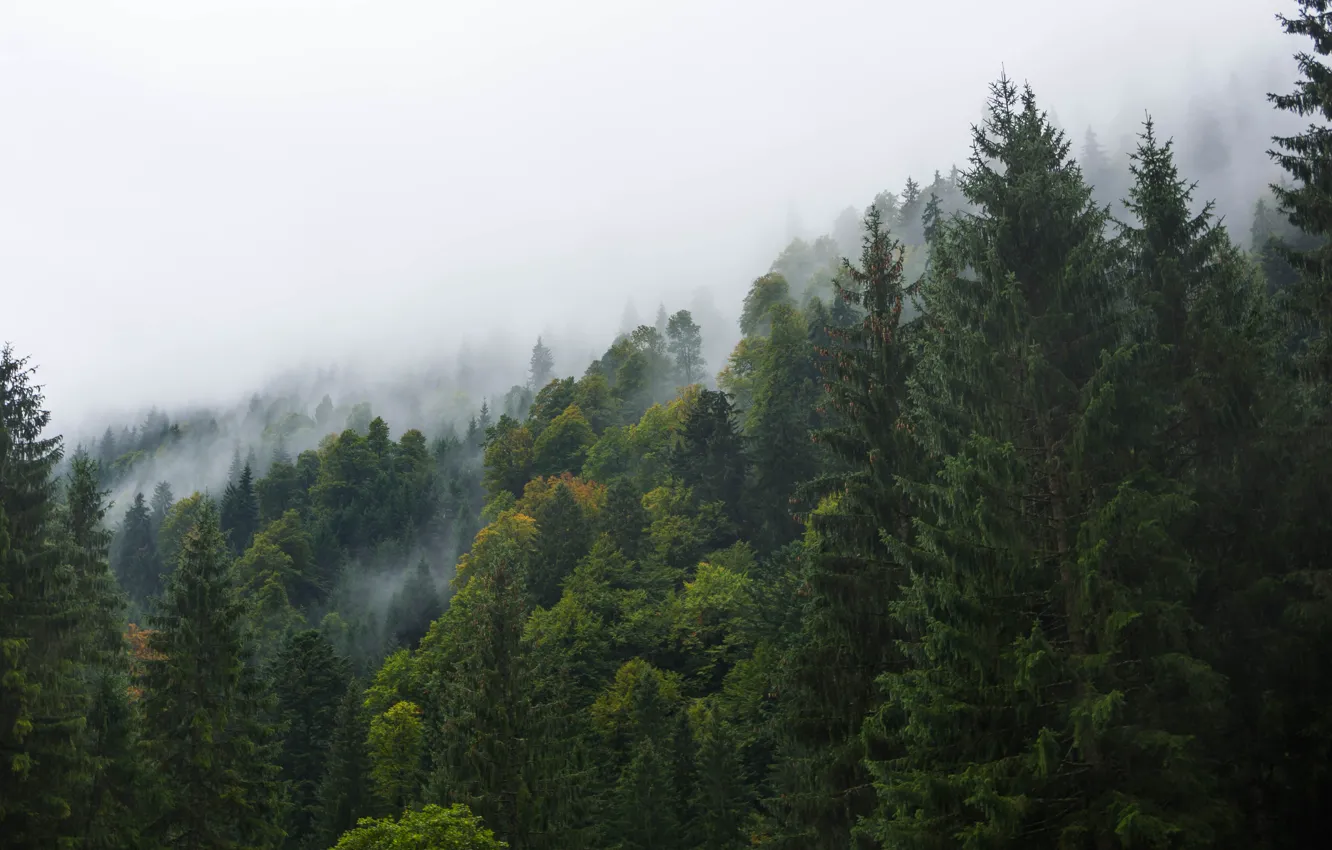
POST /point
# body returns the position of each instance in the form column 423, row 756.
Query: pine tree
column 324, row 411
column 1305, row 157
column 1227, row 430
column 778, row 424
column 309, row 681
column 342, row 790
column 161, row 502
column 43, row 700
column 203, row 710
column 415, row 607
column 234, row 471
column 1050, row 693
column 710, row 457
column 563, row 539
column 240, row 511
column 501, row 746
column 846, row 634
column 138, row 564
column 111, row 808
column 540, row 367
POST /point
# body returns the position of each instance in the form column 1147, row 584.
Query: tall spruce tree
column 203, row 709
column 1051, row 696
column 240, row 511
column 846, row 634
column 110, row 811
column 138, row 563
column 342, row 795
column 309, row 680
column 1308, row 201
column 43, row 696
column 540, row 367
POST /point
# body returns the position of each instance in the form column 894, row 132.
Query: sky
column 198, row 195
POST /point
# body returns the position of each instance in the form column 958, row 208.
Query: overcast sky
column 196, row 195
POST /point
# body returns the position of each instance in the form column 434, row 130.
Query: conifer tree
column 846, row 634
column 240, row 511
column 1050, row 688
column 1225, row 411
column 138, row 564
column 1305, row 157
column 43, row 699
column 342, row 790
column 109, row 813
column 161, row 502
column 710, row 457
column 309, row 680
column 203, row 710
column 540, row 367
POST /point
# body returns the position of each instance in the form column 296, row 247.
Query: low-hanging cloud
column 199, row 197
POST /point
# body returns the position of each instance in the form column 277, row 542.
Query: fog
column 199, row 198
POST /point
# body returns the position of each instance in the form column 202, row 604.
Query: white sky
column 196, row 195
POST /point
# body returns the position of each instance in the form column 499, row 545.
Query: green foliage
column 395, row 749
column 685, row 343
column 431, row 828
column 204, row 712
column 309, row 681
column 563, row 444
column 42, row 702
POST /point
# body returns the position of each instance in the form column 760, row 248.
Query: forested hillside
column 1006, row 524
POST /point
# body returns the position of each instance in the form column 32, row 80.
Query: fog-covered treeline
column 1001, row 521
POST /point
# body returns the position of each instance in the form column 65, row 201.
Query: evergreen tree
column 342, row 790
column 113, row 804
column 138, row 564
column 710, row 457
column 563, row 538
column 203, row 710
column 161, row 502
column 43, row 700
column 778, row 424
column 309, row 681
column 846, row 635
column 1305, row 157
column 540, row 367
column 240, row 511
column 415, row 607
column 1201, row 312
column 234, row 471
column 107, row 451
column 1047, row 604
column 324, row 411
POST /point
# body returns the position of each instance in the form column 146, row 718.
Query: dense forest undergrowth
column 1012, row 530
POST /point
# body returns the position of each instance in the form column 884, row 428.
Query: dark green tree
column 846, row 634
column 138, row 565
column 1308, row 201
column 205, row 715
column 710, row 457
column 309, row 680
column 240, row 511
column 342, row 790
column 43, row 697
column 1050, row 694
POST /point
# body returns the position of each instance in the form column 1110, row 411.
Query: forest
column 1006, row 524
